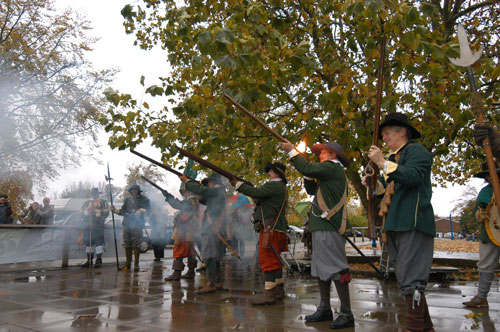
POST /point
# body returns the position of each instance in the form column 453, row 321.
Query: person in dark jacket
column 94, row 212
column 134, row 209
column 214, row 223
column 270, row 213
column 327, row 222
column 185, row 228
column 489, row 252
column 5, row 210
column 409, row 218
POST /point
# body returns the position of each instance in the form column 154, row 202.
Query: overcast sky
column 116, row 49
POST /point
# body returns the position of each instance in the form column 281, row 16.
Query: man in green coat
column 328, row 221
column 409, row 221
column 133, row 210
column 489, row 252
column 270, row 219
column 214, row 223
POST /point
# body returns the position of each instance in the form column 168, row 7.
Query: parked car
column 351, row 233
column 295, row 233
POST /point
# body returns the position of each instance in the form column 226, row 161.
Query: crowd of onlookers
column 37, row 214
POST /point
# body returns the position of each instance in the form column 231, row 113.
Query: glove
column 166, row 194
column 233, row 181
column 481, row 215
column 258, row 226
column 480, row 132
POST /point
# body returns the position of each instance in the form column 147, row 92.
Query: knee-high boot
column 269, row 295
column 128, row 257
column 177, row 266
column 345, row 318
column 191, row 263
column 415, row 310
column 137, row 253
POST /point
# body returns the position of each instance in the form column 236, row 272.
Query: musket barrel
column 208, row 164
column 254, row 118
column 170, row 169
column 152, row 183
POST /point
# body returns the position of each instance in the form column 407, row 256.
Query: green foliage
column 308, row 69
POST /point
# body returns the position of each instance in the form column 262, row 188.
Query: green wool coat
column 215, row 200
column 482, row 201
column 330, row 177
column 130, row 205
column 411, row 207
column 270, row 198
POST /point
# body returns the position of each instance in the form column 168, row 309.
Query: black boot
column 190, row 274
column 344, row 320
column 98, row 261
column 324, row 311
column 89, row 261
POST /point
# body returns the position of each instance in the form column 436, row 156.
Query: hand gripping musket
column 282, row 139
column 170, row 169
column 467, row 58
column 108, row 178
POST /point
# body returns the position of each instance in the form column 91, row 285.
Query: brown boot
column 280, row 291
column 137, row 253
column 207, row 288
column 414, row 314
column 477, row 302
column 128, row 256
column 177, row 266
column 268, row 297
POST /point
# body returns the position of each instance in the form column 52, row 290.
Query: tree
column 308, row 68
column 50, row 97
column 465, row 209
column 136, row 171
column 19, row 190
column 83, row 190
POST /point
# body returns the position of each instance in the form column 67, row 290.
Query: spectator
column 5, row 210
column 32, row 217
column 46, row 213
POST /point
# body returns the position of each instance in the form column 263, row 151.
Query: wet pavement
column 76, row 299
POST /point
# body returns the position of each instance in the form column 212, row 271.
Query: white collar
column 335, row 161
column 276, row 179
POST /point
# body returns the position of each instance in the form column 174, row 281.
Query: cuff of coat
column 292, row 153
column 390, row 167
column 238, row 184
column 308, row 178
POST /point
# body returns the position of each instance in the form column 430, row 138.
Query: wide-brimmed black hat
column 399, row 120
column 215, row 177
column 134, row 186
column 93, row 191
column 485, row 171
column 278, row 168
column 333, row 147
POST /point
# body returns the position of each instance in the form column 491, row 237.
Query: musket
column 108, row 178
column 170, row 169
column 260, row 122
column 372, row 169
column 214, row 168
column 467, row 58
column 152, row 183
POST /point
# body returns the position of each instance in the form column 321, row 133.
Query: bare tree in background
column 50, row 96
